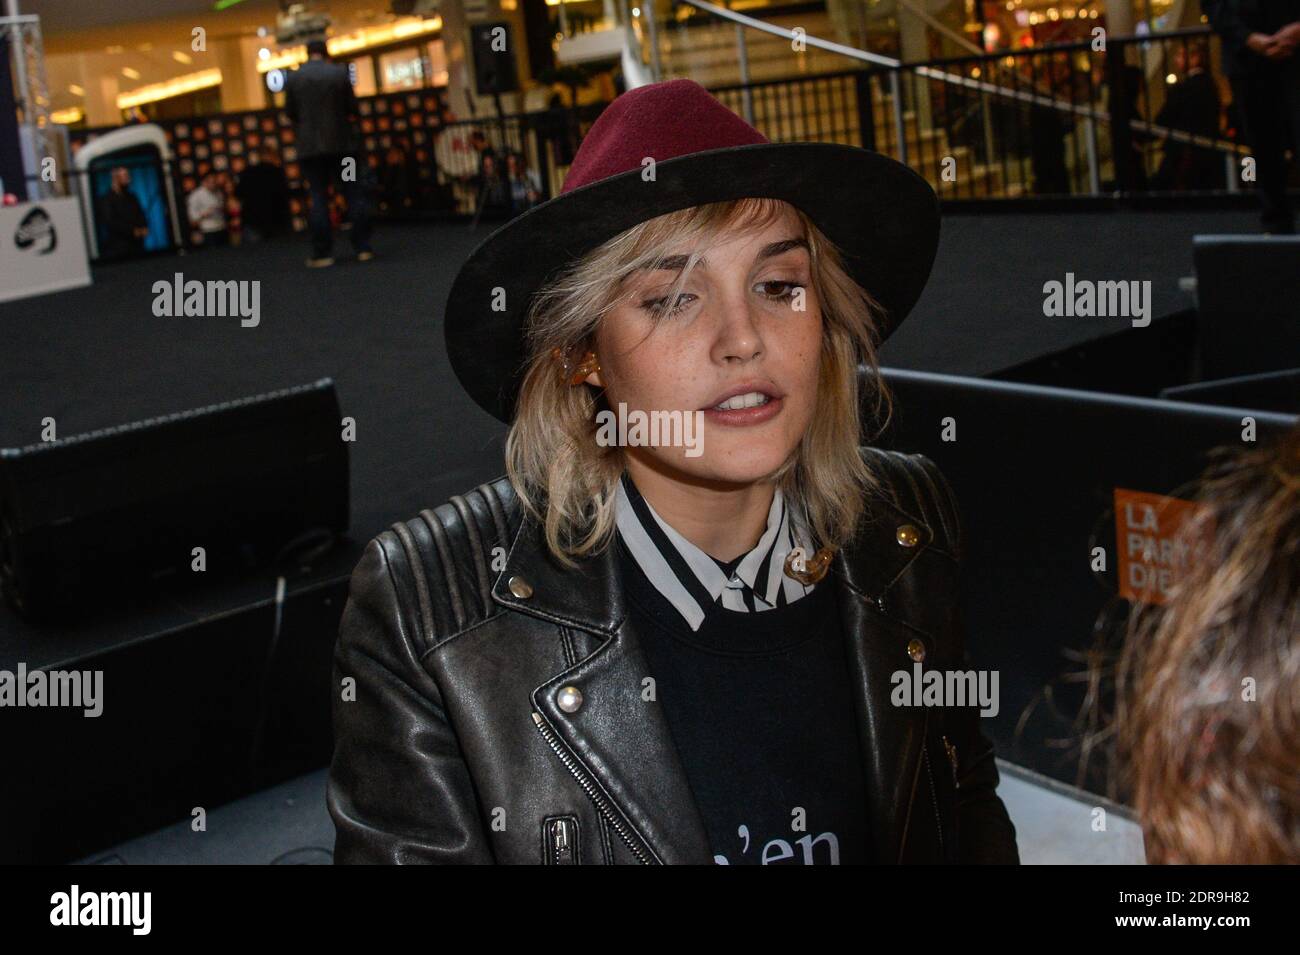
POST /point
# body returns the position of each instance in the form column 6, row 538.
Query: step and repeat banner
column 398, row 132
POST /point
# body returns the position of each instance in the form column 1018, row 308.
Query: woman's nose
column 738, row 337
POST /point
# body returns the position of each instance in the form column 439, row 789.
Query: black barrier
column 1039, row 474
column 1248, row 303
column 1136, row 361
column 228, row 693
column 93, row 519
column 1271, row 391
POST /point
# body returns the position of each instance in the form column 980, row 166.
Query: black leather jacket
column 460, row 632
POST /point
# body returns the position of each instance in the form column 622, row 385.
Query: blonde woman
column 670, row 634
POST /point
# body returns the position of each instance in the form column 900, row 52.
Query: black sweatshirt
column 760, row 707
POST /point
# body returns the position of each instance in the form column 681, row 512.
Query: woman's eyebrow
column 675, row 263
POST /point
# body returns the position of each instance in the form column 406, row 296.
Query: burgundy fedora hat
column 882, row 215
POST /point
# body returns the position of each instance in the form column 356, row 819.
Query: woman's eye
column 776, row 290
column 779, row 290
column 660, row 305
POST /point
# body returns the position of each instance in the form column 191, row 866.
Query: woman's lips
column 745, row 417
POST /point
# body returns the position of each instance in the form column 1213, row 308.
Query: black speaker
column 494, row 59
column 96, row 517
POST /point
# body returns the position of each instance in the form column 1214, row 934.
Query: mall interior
column 1066, row 141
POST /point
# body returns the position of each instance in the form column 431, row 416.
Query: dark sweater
column 760, row 707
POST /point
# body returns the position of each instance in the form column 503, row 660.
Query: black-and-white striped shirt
column 694, row 582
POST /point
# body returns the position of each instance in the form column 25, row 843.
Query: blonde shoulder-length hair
column 567, row 481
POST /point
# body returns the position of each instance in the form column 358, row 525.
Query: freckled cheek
column 649, row 377
column 802, row 351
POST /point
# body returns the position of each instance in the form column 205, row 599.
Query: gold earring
column 808, row 570
column 576, row 374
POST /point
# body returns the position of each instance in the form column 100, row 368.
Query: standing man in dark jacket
column 320, row 101
column 1259, row 49
column 123, row 219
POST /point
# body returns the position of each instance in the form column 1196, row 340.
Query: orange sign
column 1153, row 544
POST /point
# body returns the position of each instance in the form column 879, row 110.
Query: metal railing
column 1139, row 114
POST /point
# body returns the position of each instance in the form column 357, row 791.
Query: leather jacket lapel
column 626, row 743
column 622, row 741
column 891, row 737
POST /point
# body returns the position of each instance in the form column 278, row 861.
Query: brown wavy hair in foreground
column 1208, row 686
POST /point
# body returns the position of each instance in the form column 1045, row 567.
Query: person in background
column 206, row 206
column 396, row 180
column 493, row 190
column 1191, row 106
column 123, row 218
column 524, row 184
column 1259, row 47
column 1134, row 91
column 234, row 215
column 479, row 143
column 263, row 194
column 1208, row 685
column 1047, row 131
column 556, row 126
column 320, row 101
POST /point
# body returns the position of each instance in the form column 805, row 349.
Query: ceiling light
column 173, row 87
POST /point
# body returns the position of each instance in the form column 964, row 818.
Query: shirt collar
column 690, row 579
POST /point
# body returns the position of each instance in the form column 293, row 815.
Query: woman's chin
column 740, row 467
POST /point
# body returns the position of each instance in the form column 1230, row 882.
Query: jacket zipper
column 934, row 798
column 952, row 758
column 563, row 851
column 596, row 796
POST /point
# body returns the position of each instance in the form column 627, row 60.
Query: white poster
column 42, row 248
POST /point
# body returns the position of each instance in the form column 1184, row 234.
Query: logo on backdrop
column 36, row 229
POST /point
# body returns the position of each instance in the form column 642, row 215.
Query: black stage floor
column 98, row 356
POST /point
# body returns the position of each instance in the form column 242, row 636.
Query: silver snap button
column 520, row 588
column 569, row 699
